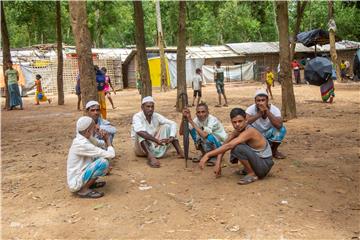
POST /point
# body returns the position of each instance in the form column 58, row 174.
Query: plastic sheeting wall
column 236, row 73
column 191, row 66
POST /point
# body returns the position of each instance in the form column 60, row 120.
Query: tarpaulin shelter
column 155, row 71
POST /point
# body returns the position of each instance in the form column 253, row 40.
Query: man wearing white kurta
column 206, row 130
column 152, row 133
column 87, row 160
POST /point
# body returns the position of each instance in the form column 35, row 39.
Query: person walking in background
column 196, row 85
column 327, row 91
column 296, row 68
column 219, row 83
column 12, row 78
column 342, row 70
column 269, row 80
column 107, row 87
column 100, row 81
column 78, row 91
column 39, row 94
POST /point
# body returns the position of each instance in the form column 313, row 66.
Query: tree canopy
column 111, row 23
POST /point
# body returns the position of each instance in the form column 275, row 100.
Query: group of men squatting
column 254, row 141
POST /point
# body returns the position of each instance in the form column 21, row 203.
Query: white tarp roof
column 211, row 52
column 263, row 47
column 343, row 45
column 273, row 47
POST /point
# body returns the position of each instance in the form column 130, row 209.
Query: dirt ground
column 312, row 194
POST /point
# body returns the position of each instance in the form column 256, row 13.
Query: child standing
column 107, row 87
column 219, row 83
column 39, row 94
column 197, row 84
column 269, row 81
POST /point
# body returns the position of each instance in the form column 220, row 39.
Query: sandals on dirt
column 98, row 185
column 154, row 164
column 248, row 179
column 211, row 162
column 241, row 172
column 91, row 194
column 217, row 105
column 195, row 159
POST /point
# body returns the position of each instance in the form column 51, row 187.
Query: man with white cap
column 87, row 160
column 267, row 119
column 93, row 111
column 152, row 133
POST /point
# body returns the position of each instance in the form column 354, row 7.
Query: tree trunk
column 287, row 92
column 141, row 49
column 82, row 38
column 60, row 61
column 164, row 85
column 332, row 29
column 181, row 59
column 300, row 7
column 6, row 51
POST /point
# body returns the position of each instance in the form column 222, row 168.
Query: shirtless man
column 247, row 145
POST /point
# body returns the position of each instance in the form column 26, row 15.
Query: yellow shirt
column 342, row 66
column 269, row 78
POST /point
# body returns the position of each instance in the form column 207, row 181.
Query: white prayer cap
column 91, row 103
column 260, row 92
column 83, row 123
column 147, row 99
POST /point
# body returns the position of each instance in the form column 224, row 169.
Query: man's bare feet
column 279, row 155
column 154, row 163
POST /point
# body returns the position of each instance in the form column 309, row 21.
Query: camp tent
column 155, row 71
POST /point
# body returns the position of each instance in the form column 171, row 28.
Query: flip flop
column 98, row 185
column 91, row 194
column 225, row 105
column 248, row 179
column 211, row 162
column 241, row 172
column 195, row 159
column 153, row 165
column 218, row 105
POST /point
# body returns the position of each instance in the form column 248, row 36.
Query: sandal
column 154, row 164
column 91, row 194
column 98, row 185
column 241, row 172
column 248, row 179
column 195, row 159
column 217, row 105
column 211, row 162
column 225, row 105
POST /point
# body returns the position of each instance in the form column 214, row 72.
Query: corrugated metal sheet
column 343, row 45
column 211, row 52
column 263, row 47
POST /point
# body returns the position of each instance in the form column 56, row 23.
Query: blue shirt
column 100, row 80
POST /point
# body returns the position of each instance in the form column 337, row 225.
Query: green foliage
column 111, row 23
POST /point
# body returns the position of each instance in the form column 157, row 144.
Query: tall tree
column 60, row 61
column 83, row 50
column 141, row 49
column 5, row 49
column 181, row 58
column 161, row 45
column 332, row 29
column 287, row 92
column 300, row 7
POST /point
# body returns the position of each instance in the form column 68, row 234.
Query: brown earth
column 313, row 194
